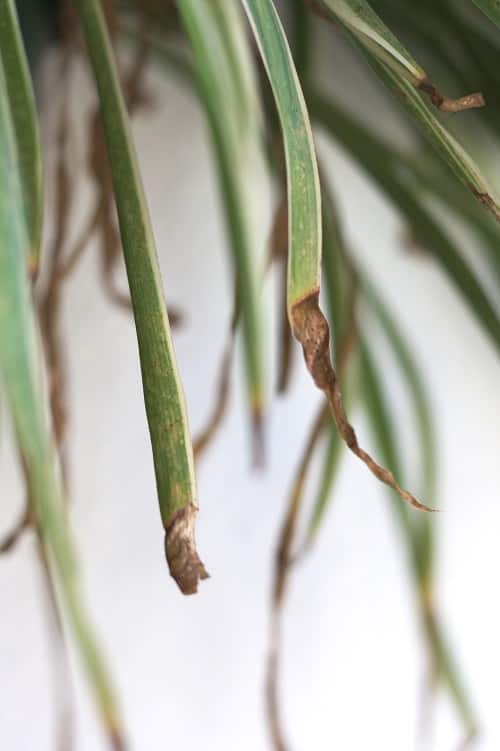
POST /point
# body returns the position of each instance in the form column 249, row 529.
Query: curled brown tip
column 180, row 548
column 311, row 330
column 443, row 103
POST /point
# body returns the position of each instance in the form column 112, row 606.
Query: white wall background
column 190, row 671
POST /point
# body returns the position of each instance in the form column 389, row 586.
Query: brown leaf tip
column 180, row 549
column 443, row 103
column 311, row 329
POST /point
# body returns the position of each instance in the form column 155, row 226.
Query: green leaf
column 415, row 385
column 304, row 199
column 163, row 395
column 375, row 158
column 23, row 113
column 384, row 433
column 393, row 65
column 23, row 378
column 360, row 19
column 308, row 323
column 226, row 83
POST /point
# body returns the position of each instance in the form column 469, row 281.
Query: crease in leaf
column 163, row 394
column 308, row 323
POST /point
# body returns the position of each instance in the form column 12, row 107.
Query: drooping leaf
column 308, row 323
column 374, row 157
column 398, row 70
column 384, row 432
column 163, row 395
column 21, row 369
column 226, row 83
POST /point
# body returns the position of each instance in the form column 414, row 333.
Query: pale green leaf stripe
column 359, row 17
column 226, row 85
column 163, row 395
column 20, row 366
column 24, row 118
column 304, row 200
column 490, row 8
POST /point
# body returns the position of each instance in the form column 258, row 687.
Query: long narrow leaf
column 20, row 367
column 23, row 113
column 373, row 156
column 308, row 323
column 223, row 68
column 164, row 399
column 384, row 433
column 396, row 68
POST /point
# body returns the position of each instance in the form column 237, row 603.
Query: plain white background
column 190, row 672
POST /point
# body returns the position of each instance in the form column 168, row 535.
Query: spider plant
column 252, row 65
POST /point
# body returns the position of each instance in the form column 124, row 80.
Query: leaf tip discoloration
column 180, row 549
column 311, row 330
column 445, row 104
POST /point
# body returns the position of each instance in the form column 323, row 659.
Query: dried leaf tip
column 311, row 330
column 180, row 549
column 443, row 103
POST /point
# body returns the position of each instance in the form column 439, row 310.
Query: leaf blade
column 23, row 113
column 163, row 395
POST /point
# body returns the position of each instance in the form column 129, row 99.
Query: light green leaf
column 21, row 369
column 225, row 74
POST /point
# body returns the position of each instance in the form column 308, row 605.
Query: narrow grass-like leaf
column 387, row 60
column 374, row 157
column 416, row 388
column 384, row 433
column 224, row 72
column 308, row 323
column 380, row 43
column 24, row 118
column 21, row 371
column 164, row 399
